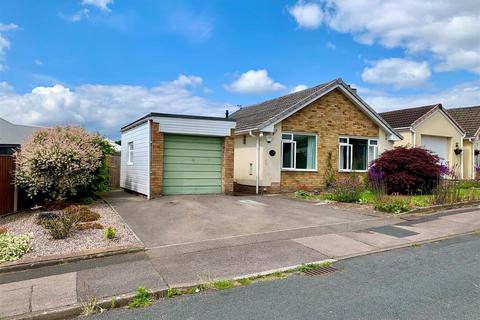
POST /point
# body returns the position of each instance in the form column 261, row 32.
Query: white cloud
column 448, row 29
column 300, row 87
column 103, row 108
column 307, row 15
column 101, row 4
column 5, row 43
column 254, row 81
column 330, row 45
column 77, row 16
column 38, row 62
column 397, row 72
column 192, row 25
column 465, row 94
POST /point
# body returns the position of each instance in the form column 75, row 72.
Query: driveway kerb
column 122, row 300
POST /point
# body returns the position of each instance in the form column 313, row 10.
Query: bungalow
column 284, row 144
column 12, row 135
column 433, row 128
column 469, row 119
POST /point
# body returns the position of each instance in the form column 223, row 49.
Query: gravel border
column 80, row 240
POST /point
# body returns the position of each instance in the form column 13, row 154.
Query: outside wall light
column 269, row 139
column 457, row 149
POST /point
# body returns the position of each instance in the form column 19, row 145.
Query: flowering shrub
column 406, row 170
column 57, row 163
column 13, row 247
column 348, row 189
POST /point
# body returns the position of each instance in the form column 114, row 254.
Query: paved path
column 181, row 264
column 438, row 281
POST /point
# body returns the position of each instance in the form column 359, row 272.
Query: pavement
column 437, row 280
column 231, row 254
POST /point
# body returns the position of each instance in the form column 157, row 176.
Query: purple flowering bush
column 56, row 163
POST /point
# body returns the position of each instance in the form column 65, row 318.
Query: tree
column 57, row 163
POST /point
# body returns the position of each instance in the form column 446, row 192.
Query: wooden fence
column 7, row 189
column 114, row 171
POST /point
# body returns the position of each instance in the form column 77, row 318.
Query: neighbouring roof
column 411, row 117
column 468, row 118
column 261, row 115
column 14, row 134
column 406, row 118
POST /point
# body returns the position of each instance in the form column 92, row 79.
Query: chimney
column 226, row 113
column 353, row 89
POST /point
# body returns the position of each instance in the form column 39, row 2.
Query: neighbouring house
column 432, row 128
column 177, row 154
column 12, row 135
column 469, row 119
column 283, row 144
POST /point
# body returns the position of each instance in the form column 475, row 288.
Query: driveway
column 187, row 219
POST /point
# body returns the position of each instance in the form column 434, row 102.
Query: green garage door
column 192, row 164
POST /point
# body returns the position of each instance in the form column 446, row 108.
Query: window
column 130, row 153
column 299, row 151
column 355, row 154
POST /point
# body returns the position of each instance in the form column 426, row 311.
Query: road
column 434, row 281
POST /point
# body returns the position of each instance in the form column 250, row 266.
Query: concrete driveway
column 184, row 220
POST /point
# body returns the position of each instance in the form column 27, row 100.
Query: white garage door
column 438, row 145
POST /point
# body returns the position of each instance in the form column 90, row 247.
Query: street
column 438, row 280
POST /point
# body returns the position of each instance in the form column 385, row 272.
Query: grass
column 142, row 299
column 90, row 307
column 310, row 266
column 223, row 284
column 245, row 281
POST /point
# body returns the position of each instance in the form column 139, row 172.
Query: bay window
column 355, row 154
column 299, row 151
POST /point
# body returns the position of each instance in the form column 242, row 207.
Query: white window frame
column 349, row 147
column 294, row 150
column 130, row 149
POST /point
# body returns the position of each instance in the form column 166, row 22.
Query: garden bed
column 43, row 245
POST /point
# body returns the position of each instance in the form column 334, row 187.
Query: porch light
column 457, row 149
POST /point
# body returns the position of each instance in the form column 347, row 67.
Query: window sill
column 353, row 171
column 129, row 163
column 300, row 170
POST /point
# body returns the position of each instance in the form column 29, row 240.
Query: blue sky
column 102, row 63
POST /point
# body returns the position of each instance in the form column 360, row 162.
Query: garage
column 192, row 165
column 171, row 154
column 438, row 145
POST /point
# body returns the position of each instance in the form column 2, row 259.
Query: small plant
column 173, row 292
column 347, row 189
column 89, row 226
column 12, row 247
column 3, row 230
column 83, row 213
column 393, row 205
column 244, row 281
column 110, row 233
column 330, row 177
column 113, row 303
column 61, row 227
column 42, row 217
column 91, row 307
column 142, row 299
column 223, row 284
column 306, row 267
column 415, row 245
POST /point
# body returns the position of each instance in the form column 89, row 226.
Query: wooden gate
column 7, row 189
column 114, row 171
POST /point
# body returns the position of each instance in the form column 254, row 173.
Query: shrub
column 61, row 227
column 143, row 298
column 57, row 163
column 43, row 217
column 89, row 226
column 13, row 247
column 110, row 233
column 394, row 205
column 407, row 170
column 330, row 176
column 347, row 189
column 3, row 230
column 83, row 213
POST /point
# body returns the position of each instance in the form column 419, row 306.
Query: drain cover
column 320, row 271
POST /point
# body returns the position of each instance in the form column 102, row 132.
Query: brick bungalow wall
column 156, row 176
column 227, row 168
column 331, row 116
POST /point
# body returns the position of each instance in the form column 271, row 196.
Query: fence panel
column 7, row 189
column 114, row 171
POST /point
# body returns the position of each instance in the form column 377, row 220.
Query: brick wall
column 156, row 154
column 228, row 164
column 330, row 116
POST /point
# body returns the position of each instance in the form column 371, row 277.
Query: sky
column 102, row 64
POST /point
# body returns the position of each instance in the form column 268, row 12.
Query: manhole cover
column 320, row 271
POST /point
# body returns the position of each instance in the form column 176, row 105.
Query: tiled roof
column 405, row 118
column 252, row 117
column 468, row 118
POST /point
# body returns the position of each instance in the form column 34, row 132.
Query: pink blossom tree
column 57, row 163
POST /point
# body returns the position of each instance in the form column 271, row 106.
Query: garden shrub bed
column 83, row 236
